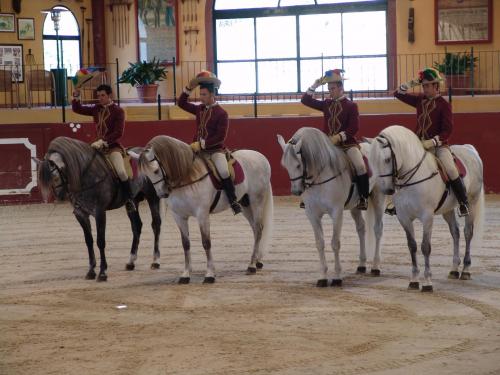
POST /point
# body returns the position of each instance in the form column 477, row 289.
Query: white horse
column 405, row 169
column 184, row 179
column 322, row 174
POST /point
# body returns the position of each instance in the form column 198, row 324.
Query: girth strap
column 216, row 201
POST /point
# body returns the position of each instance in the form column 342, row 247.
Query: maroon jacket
column 211, row 123
column 110, row 121
column 340, row 117
column 433, row 116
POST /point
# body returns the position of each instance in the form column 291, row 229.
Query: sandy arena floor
column 52, row 321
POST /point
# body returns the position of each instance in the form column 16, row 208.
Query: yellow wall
column 32, row 9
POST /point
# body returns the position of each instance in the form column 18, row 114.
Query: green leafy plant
column 143, row 73
column 456, row 63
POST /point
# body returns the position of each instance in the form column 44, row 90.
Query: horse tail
column 45, row 179
column 267, row 223
column 163, row 208
column 374, row 224
column 478, row 208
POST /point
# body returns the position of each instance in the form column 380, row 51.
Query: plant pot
column 460, row 83
column 147, row 93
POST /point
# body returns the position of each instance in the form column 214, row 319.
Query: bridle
column 408, row 175
column 304, row 177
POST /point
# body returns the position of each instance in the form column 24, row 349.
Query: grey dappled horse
column 75, row 171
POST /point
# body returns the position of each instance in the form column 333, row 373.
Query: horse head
column 293, row 163
column 150, row 166
column 52, row 176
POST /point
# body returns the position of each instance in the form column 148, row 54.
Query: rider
column 110, row 121
column 434, row 127
column 212, row 127
column 341, row 123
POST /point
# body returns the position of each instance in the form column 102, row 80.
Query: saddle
column 130, row 166
column 235, row 171
column 458, row 163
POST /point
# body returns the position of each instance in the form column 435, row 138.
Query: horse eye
column 298, row 166
column 388, row 160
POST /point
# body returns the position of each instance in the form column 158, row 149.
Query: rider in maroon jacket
column 211, row 129
column 434, row 127
column 341, row 123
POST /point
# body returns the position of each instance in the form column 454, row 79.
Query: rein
column 395, row 174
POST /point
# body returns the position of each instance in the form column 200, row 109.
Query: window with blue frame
column 282, row 46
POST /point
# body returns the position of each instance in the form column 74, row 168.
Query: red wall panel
column 479, row 129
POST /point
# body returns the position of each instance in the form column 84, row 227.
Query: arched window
column 278, row 46
column 69, row 42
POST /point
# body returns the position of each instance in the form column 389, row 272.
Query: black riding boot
column 458, row 188
column 228, row 186
column 363, row 184
column 127, row 191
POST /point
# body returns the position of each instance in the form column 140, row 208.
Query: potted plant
column 457, row 67
column 144, row 76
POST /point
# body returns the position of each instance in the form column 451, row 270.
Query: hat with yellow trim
column 335, row 75
column 82, row 76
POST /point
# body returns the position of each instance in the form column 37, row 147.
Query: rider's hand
column 193, row 84
column 195, row 146
column 429, row 143
column 336, row 139
column 99, row 144
column 315, row 85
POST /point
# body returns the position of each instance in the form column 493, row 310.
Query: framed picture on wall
column 11, row 58
column 463, row 21
column 26, row 28
column 7, row 23
column 158, row 30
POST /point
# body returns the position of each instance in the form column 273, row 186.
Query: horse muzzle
column 389, row 191
column 297, row 192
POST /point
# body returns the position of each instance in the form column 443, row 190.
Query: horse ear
column 298, row 145
column 37, row 161
column 282, row 142
column 382, row 141
column 135, row 153
column 367, row 140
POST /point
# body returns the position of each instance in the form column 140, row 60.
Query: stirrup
column 235, row 206
column 302, row 205
column 463, row 210
column 130, row 205
column 390, row 210
column 362, row 204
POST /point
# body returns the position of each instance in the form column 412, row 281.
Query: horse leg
column 315, row 221
column 337, row 218
column 426, row 251
column 154, row 207
column 375, row 219
column 255, row 222
column 412, row 246
column 182, row 223
column 207, row 245
column 84, row 221
column 136, row 224
column 451, row 219
column 100, row 223
column 468, row 234
column 360, row 229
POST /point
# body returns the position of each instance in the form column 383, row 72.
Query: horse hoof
column 454, row 275
column 322, row 283
column 427, row 288
column 260, row 265
column 251, row 271
column 414, row 285
column 465, row 276
column 361, row 270
column 375, row 272
column 102, row 277
column 130, row 266
column 155, row 266
column 336, row 283
column 209, row 280
column 184, row 280
column 90, row 275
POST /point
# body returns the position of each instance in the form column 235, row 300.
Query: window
column 282, row 46
column 69, row 43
